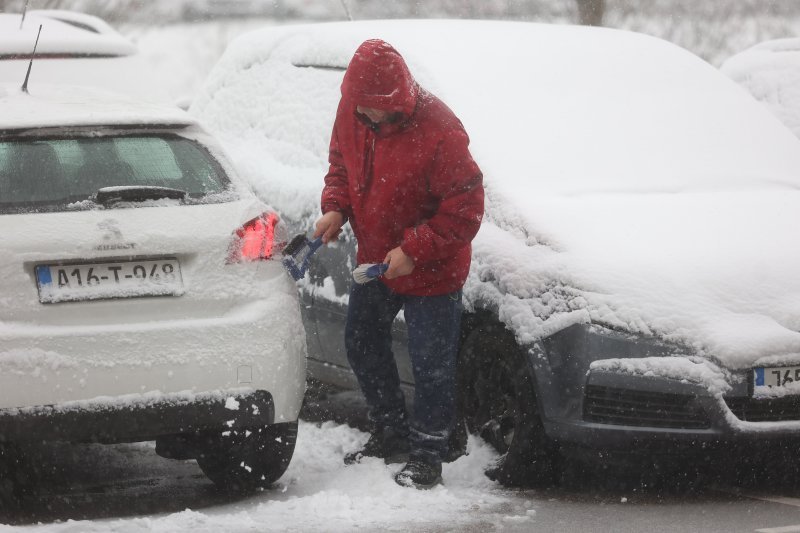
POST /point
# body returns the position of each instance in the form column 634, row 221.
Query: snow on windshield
column 770, row 71
column 629, row 183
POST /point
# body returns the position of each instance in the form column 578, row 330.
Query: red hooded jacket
column 410, row 182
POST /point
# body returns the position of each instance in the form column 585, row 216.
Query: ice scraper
column 297, row 255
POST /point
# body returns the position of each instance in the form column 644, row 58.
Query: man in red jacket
column 402, row 175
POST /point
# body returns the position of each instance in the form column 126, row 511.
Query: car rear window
column 53, row 174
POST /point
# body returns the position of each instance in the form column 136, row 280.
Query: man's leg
column 434, row 324
column 368, row 340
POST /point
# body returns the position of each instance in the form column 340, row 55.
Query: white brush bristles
column 360, row 273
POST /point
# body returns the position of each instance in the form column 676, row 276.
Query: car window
column 50, row 174
column 70, row 156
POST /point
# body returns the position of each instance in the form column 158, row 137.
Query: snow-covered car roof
column 770, row 71
column 48, row 106
column 629, row 183
column 75, row 49
column 64, row 34
column 77, row 19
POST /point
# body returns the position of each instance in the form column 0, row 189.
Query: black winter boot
column 420, row 473
column 457, row 443
column 385, row 443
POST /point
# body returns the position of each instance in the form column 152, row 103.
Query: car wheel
column 498, row 400
column 15, row 475
column 248, row 460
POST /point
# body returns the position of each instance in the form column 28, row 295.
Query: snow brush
column 297, row 255
column 369, row 271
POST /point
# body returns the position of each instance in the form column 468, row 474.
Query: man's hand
column 329, row 226
column 399, row 264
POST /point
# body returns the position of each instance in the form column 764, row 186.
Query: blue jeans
column 433, row 331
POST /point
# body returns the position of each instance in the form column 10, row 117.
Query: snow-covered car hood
column 629, row 183
column 716, row 272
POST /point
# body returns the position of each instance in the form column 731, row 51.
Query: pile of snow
column 629, row 183
column 319, row 493
column 694, row 370
column 32, row 362
column 771, row 72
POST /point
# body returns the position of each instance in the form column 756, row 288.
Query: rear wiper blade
column 136, row 193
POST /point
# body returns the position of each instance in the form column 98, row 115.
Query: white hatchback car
column 140, row 300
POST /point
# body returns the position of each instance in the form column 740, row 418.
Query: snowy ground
column 128, row 489
column 317, row 493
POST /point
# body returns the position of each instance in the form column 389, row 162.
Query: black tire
column 498, row 400
column 248, row 460
column 16, row 475
column 8, row 488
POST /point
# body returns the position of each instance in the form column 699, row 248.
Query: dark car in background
column 634, row 285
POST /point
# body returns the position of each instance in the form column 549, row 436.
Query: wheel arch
column 518, row 429
column 534, row 354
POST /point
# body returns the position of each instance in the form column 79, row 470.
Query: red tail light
column 255, row 240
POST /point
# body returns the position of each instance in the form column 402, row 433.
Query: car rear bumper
column 260, row 346
column 133, row 418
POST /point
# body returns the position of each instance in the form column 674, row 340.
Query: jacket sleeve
column 335, row 194
column 457, row 182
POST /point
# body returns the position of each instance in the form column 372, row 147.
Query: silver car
column 634, row 284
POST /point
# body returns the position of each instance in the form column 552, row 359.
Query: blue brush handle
column 376, row 271
column 314, row 245
column 296, row 273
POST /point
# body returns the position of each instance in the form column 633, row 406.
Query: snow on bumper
column 259, row 346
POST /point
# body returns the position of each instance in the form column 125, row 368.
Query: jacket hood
column 378, row 77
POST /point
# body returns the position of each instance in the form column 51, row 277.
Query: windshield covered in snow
column 53, row 174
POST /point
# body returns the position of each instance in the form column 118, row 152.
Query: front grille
column 625, row 407
column 765, row 409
